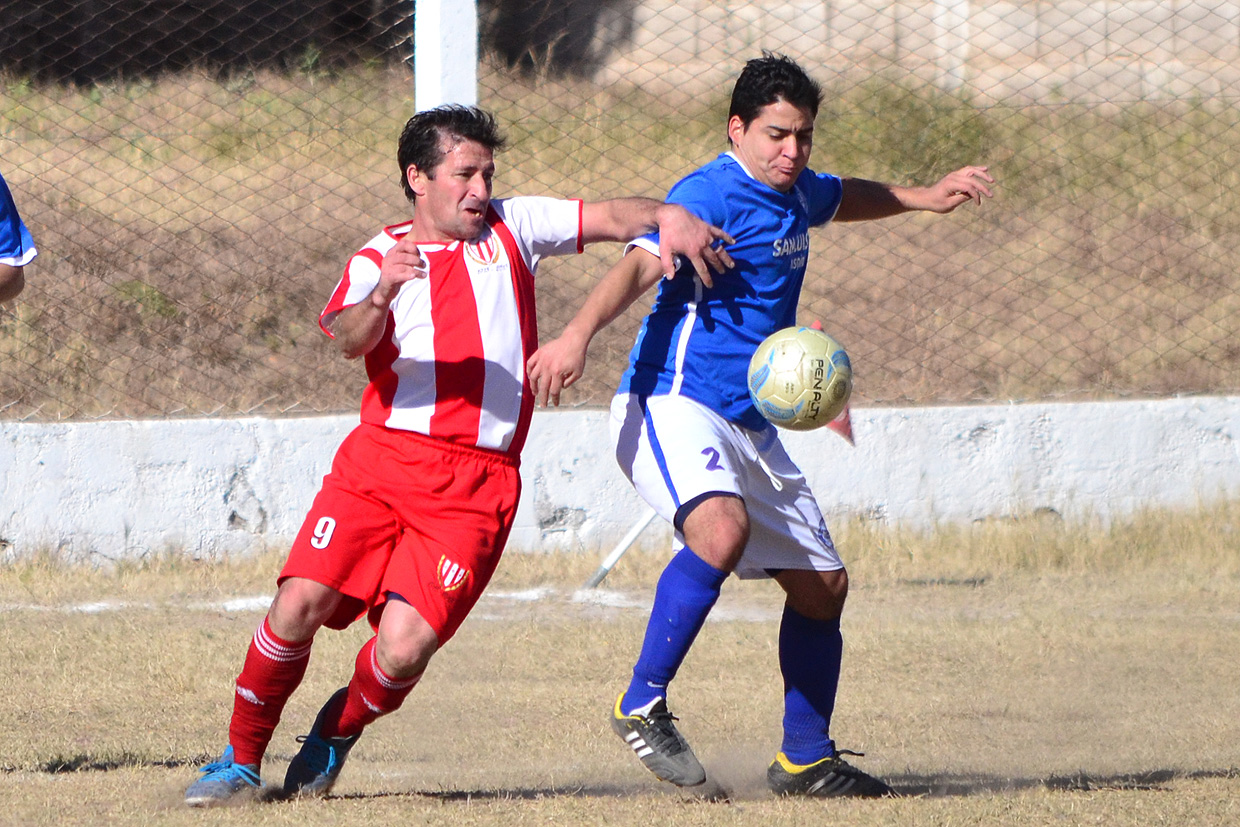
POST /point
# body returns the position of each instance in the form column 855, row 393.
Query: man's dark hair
column 771, row 78
column 422, row 138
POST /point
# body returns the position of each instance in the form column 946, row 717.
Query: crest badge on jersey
column 484, row 251
column 802, row 199
column 452, row 575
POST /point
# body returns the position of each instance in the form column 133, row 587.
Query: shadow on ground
column 944, row 786
column 912, row 785
column 928, row 786
column 92, row 763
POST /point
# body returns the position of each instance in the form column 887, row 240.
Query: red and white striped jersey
column 451, row 363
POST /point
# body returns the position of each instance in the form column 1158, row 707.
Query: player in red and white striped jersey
column 411, row 521
column 452, row 365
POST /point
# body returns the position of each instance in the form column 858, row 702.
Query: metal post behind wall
column 445, row 52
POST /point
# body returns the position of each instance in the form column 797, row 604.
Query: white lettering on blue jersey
column 788, row 246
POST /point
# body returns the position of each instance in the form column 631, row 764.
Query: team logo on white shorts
column 484, row 251
column 823, row 535
column 451, row 575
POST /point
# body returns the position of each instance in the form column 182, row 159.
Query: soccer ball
column 800, row 378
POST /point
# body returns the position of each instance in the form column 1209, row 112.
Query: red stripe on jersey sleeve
column 372, row 254
column 460, row 363
column 581, row 224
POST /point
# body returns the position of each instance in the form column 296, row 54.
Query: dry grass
column 1004, row 674
column 192, row 228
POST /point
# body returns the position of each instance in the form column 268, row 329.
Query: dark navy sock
column 687, row 590
column 809, row 657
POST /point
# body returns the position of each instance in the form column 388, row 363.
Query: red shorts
column 412, row 515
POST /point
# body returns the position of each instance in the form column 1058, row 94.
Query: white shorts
column 675, row 451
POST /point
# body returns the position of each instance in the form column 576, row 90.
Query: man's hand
column 359, row 327
column 681, row 232
column 556, row 366
column 401, row 264
column 955, row 188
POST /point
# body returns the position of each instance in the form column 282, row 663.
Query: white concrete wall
column 999, row 50
column 212, row 487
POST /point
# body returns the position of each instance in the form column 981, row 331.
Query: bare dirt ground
column 1022, row 696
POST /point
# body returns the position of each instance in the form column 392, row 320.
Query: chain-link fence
column 196, row 174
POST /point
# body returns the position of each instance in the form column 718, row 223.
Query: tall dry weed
column 1189, row 545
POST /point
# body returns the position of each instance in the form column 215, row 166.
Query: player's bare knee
column 717, row 529
column 405, row 656
column 300, row 607
column 406, row 641
column 836, row 583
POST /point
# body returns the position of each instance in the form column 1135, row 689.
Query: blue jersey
column 698, row 341
column 16, row 245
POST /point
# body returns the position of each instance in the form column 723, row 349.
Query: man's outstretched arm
column 559, row 363
column 680, row 232
column 865, row 200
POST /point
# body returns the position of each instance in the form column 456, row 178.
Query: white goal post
column 445, row 53
column 616, row 553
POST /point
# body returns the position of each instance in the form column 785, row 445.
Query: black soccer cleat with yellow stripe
column 831, row 777
column 650, row 733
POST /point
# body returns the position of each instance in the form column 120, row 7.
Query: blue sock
column 687, row 590
column 809, row 657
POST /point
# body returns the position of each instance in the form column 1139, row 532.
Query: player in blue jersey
column 696, row 449
column 16, row 246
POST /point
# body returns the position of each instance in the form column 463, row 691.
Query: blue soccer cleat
column 223, row 781
column 317, row 765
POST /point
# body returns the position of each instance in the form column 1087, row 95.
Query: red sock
column 273, row 669
column 372, row 693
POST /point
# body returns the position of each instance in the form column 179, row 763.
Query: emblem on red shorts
column 451, row 575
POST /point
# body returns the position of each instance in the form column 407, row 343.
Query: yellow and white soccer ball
column 800, row 378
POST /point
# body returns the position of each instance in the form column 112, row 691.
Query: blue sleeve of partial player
column 823, row 192
column 16, row 245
